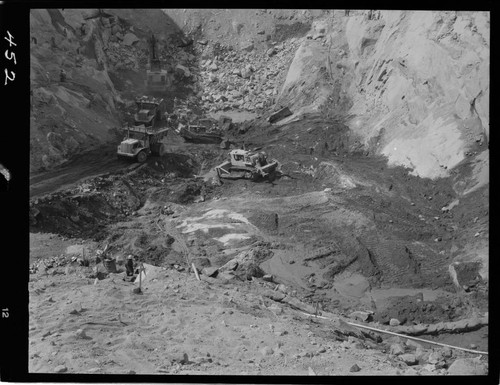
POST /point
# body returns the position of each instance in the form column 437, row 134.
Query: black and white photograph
column 256, row 192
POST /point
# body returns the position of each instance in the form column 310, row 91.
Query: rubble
column 467, row 366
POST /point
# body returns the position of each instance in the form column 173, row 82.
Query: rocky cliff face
column 104, row 56
column 80, row 111
column 412, row 86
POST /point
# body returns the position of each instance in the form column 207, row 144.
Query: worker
column 130, row 265
column 62, row 75
column 262, row 159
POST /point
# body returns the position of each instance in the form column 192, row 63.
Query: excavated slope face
column 80, row 112
column 414, row 86
column 104, row 56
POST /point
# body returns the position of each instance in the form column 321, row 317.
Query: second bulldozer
column 248, row 165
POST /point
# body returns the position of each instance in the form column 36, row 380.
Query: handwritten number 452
column 11, row 57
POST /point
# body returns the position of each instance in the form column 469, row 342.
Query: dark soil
column 286, row 31
column 405, row 244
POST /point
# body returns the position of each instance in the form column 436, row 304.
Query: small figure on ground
column 62, row 75
column 130, row 265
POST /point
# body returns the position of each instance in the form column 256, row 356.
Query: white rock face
column 416, row 84
column 425, row 86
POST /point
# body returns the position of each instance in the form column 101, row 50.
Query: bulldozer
column 141, row 142
column 243, row 164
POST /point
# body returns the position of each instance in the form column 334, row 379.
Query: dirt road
column 93, row 163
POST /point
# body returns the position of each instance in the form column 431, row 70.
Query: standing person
column 62, row 75
column 130, row 265
column 347, row 12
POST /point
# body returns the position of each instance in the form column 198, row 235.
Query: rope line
column 401, row 335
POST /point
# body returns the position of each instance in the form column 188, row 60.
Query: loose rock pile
column 243, row 79
column 53, row 262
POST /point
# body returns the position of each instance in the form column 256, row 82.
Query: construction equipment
column 150, row 110
column 248, row 165
column 202, row 131
column 157, row 78
column 141, row 142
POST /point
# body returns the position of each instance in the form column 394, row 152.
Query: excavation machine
column 142, row 141
column 201, row 131
column 248, row 165
column 157, row 78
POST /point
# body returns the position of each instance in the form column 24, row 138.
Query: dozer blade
column 233, row 175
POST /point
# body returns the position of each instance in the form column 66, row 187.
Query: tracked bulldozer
column 243, row 164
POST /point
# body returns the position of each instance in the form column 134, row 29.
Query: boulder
column 276, row 309
column 210, row 271
column 229, row 266
column 183, row 70
column 268, row 278
column 130, row 39
column 245, row 73
column 271, row 51
column 468, row 366
column 465, row 273
column 408, row 359
column 360, row 315
column 394, row 322
column 61, row 369
column 435, row 357
column 397, row 349
column 248, row 47
column 266, row 351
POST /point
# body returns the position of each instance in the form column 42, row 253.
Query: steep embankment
column 104, row 55
column 413, row 85
column 79, row 112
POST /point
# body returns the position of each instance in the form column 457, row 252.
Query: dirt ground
column 339, row 230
